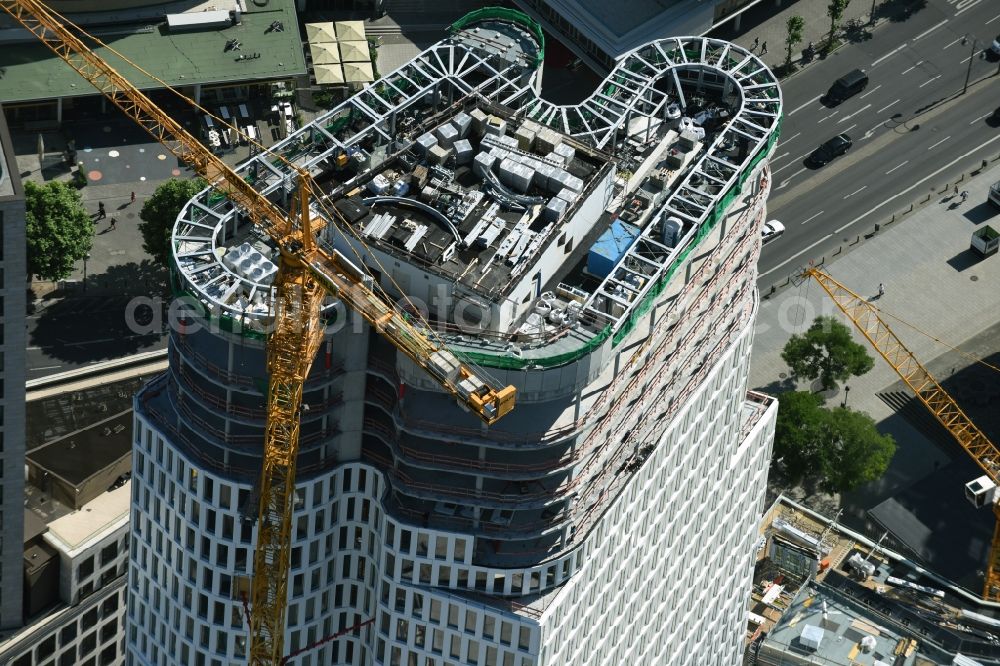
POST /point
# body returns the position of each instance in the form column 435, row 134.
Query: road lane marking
column 939, row 143
column 784, row 183
column 969, row 4
column 848, row 129
column 866, row 106
column 929, row 30
column 870, row 132
column 871, row 91
column 827, row 117
column 993, row 19
column 981, row 118
column 889, row 54
column 954, row 42
column 861, row 189
column 799, row 108
column 791, row 258
column 783, row 142
column 918, row 183
column 794, row 160
column 907, row 71
column 813, row 217
column 928, row 81
column 898, row 166
column 884, row 203
column 886, row 106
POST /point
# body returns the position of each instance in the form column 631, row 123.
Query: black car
column 835, row 147
column 848, row 85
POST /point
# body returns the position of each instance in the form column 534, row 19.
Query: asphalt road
column 82, row 330
column 912, row 128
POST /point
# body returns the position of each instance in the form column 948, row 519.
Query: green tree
column 58, row 230
column 854, row 451
column 159, row 213
column 838, row 449
column 835, row 10
column 794, row 25
column 797, row 434
column 826, row 351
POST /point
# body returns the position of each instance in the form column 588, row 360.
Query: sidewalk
column 768, row 24
column 932, row 281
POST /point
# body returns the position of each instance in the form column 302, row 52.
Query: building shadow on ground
column 121, row 312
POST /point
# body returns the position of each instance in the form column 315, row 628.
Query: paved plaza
column 934, row 282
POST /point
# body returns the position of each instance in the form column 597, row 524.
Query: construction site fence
column 508, row 15
column 717, row 213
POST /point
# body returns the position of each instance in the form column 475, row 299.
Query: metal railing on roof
column 509, row 16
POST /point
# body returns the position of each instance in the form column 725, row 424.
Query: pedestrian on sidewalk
column 965, row 195
column 763, row 48
column 133, row 198
column 881, row 290
column 101, row 213
column 113, row 223
column 756, row 43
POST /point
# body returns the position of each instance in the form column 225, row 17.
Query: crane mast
column 935, row 398
column 307, row 275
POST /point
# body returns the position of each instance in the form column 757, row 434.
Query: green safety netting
column 513, row 363
column 504, row 14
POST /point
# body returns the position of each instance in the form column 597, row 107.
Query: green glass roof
column 30, row 72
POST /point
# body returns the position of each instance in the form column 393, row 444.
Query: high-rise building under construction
column 600, row 257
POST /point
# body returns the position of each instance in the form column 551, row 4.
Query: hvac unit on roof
column 811, row 637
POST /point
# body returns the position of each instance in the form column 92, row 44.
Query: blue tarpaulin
column 610, row 248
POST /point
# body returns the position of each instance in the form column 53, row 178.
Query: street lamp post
column 85, row 257
column 968, row 72
column 847, row 391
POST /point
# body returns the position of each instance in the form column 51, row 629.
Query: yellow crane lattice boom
column 939, row 402
column 307, row 273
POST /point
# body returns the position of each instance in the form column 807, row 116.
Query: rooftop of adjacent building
column 94, row 520
column 32, row 72
column 617, row 29
column 79, row 455
column 79, row 462
column 805, row 593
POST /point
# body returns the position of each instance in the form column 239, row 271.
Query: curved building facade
column 601, row 258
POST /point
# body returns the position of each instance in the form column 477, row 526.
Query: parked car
column 995, row 46
column 848, row 85
column 771, row 230
column 830, row 149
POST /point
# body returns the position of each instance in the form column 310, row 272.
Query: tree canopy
column 826, row 351
column 794, row 27
column 835, row 10
column 839, row 449
column 58, row 230
column 159, row 213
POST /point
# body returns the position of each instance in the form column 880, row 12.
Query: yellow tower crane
column 307, row 274
column 944, row 408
